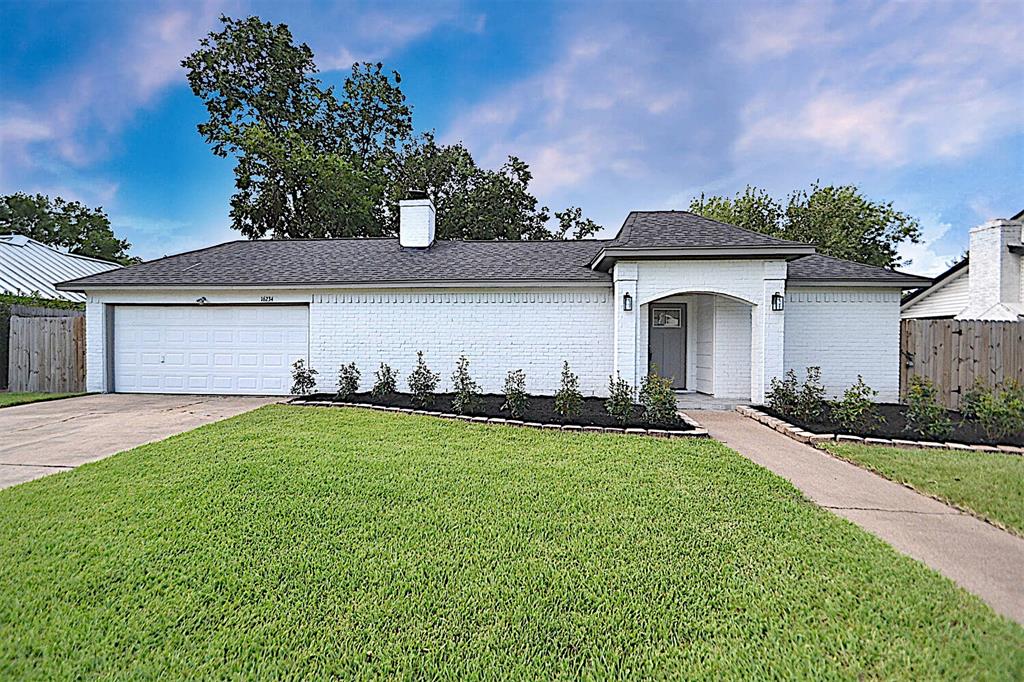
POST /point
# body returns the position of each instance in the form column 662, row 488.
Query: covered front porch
column 719, row 341
column 702, row 342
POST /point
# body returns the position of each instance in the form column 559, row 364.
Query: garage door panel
column 208, row 349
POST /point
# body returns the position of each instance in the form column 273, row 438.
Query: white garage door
column 208, row 349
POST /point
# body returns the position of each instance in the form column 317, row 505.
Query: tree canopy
column 839, row 220
column 311, row 161
column 68, row 224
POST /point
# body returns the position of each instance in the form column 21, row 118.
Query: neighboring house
column 721, row 309
column 31, row 268
column 987, row 285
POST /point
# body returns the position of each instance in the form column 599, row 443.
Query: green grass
column 989, row 484
column 11, row 399
column 304, row 542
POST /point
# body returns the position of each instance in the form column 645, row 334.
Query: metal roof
column 31, row 268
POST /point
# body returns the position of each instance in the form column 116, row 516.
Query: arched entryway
column 702, row 341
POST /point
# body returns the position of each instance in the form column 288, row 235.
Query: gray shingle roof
column 658, row 229
column 327, row 262
column 819, row 267
column 358, row 261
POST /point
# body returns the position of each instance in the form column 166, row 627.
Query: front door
column 667, row 341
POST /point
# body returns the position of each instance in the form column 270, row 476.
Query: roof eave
column 607, row 257
column 379, row 284
column 936, row 283
column 907, row 282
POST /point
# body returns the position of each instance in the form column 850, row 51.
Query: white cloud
column 583, row 116
column 82, row 109
column 905, row 86
column 24, row 129
column 157, row 237
column 929, row 257
column 378, row 34
column 773, row 31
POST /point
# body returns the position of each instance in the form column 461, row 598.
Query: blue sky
column 615, row 106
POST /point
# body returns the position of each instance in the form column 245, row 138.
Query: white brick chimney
column 995, row 272
column 416, row 221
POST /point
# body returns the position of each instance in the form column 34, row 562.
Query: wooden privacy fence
column 954, row 353
column 47, row 354
column 9, row 310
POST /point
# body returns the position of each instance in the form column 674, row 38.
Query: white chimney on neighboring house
column 416, row 221
column 995, row 282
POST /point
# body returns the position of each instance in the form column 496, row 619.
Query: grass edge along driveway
column 312, row 542
column 28, row 397
column 989, row 484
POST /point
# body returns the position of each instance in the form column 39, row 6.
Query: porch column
column 625, row 355
column 767, row 329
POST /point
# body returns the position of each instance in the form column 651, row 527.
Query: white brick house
column 720, row 309
column 987, row 285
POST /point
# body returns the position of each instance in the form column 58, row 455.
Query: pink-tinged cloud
column 906, row 86
column 567, row 121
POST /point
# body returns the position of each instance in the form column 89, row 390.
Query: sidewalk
column 978, row 556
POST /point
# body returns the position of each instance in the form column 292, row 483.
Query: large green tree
column 314, row 162
column 68, row 224
column 839, row 220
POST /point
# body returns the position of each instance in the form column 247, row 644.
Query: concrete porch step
column 700, row 401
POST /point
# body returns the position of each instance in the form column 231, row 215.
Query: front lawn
column 11, row 399
column 989, row 484
column 320, row 542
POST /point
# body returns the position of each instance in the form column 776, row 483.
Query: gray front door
column 668, row 342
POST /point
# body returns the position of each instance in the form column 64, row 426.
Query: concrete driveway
column 44, row 438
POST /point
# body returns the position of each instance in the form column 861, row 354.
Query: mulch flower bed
column 895, row 427
column 539, row 409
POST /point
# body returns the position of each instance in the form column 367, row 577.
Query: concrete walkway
column 978, row 556
column 43, row 438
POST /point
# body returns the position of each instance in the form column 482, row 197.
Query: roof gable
column 683, row 229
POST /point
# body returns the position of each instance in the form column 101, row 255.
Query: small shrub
column 422, row 382
column 856, row 410
column 1001, row 412
column 303, row 378
column 782, row 393
column 386, row 381
column 515, row 393
column 568, row 399
column 467, row 392
column 972, row 398
column 810, row 399
column 620, row 399
column 925, row 415
column 658, row 399
column 348, row 380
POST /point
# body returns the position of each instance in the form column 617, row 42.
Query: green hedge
column 11, row 299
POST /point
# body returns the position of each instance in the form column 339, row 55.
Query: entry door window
column 668, row 318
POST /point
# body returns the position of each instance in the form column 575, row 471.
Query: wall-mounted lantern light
column 778, row 302
column 627, row 302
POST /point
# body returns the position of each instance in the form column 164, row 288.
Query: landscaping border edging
column 815, row 439
column 696, row 432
